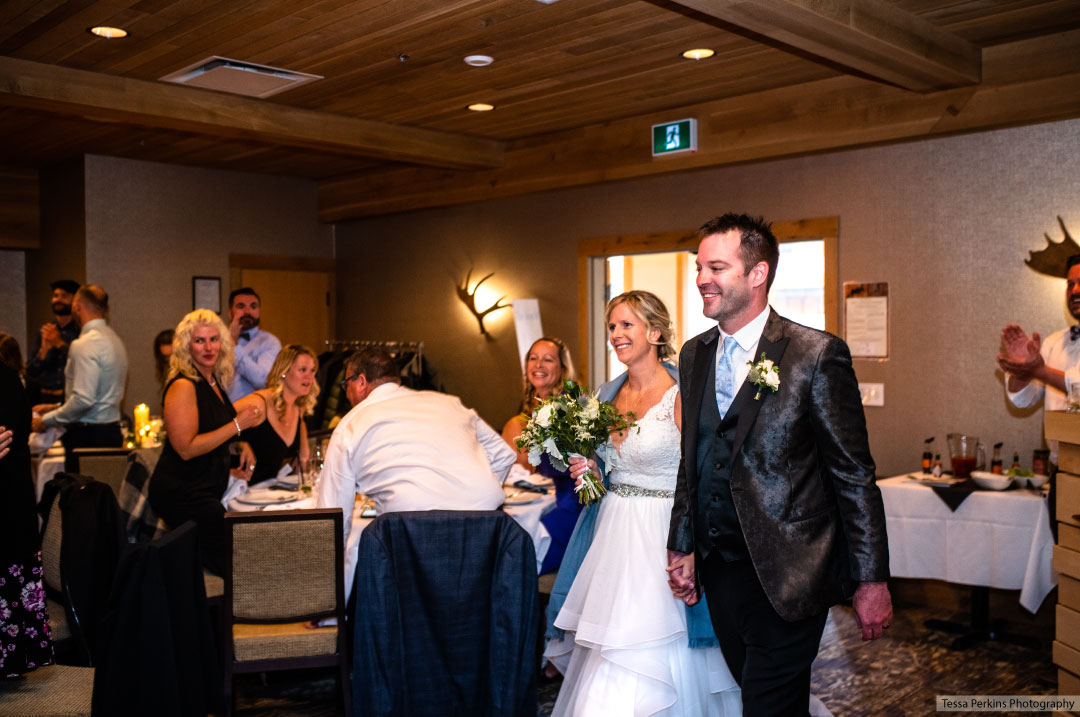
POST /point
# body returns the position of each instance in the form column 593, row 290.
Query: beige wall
column 946, row 222
column 151, row 227
column 13, row 296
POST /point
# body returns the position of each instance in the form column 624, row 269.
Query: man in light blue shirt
column 255, row 350
column 93, row 379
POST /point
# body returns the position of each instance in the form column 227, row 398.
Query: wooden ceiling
column 575, row 83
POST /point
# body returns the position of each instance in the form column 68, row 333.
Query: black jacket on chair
column 446, row 616
column 156, row 652
column 90, row 548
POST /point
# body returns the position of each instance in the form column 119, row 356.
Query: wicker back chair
column 285, row 568
column 53, row 690
column 108, row 465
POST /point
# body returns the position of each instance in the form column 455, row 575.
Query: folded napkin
column 235, row 489
column 527, row 485
column 44, row 440
column 516, row 473
column 954, row 495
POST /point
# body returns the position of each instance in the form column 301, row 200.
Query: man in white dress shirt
column 407, row 450
column 1036, row 370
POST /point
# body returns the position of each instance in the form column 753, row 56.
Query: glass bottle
column 937, row 465
column 927, row 456
column 1016, row 461
column 995, row 462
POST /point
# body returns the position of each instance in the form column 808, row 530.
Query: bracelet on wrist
column 237, row 424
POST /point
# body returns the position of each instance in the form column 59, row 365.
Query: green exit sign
column 674, row 137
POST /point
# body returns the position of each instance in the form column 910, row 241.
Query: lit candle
column 142, row 418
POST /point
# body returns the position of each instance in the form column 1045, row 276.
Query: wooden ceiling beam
column 871, row 36
column 1025, row 82
column 108, row 98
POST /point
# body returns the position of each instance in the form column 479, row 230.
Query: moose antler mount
column 1052, row 259
column 468, row 297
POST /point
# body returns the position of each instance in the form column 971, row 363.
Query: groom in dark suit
column 776, row 516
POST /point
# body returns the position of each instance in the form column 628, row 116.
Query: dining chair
column 108, row 465
column 446, row 616
column 285, row 568
column 50, row 568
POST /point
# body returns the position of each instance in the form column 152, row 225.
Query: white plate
column 523, row 499
column 267, row 496
column 940, row 482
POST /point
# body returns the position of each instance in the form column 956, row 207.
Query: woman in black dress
column 193, row 471
column 289, row 395
column 24, row 624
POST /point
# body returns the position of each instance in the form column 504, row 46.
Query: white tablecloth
column 1000, row 539
column 527, row 516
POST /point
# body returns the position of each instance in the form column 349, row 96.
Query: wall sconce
column 468, row 297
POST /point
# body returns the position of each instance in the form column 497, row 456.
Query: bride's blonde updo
column 648, row 307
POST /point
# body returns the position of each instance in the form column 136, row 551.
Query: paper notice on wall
column 866, row 319
column 526, row 324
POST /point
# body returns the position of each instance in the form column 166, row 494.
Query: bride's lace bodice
column 649, row 457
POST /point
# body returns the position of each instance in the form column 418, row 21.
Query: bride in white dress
column 625, row 650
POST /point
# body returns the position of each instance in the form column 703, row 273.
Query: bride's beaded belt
column 631, row 491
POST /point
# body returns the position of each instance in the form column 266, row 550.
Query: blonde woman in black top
column 290, row 394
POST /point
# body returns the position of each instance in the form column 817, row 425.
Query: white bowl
column 1036, row 481
column 991, row 481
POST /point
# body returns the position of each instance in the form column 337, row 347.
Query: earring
column 283, row 375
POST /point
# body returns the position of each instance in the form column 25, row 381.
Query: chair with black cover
column 446, row 609
column 82, row 537
column 108, row 465
column 271, row 593
column 156, row 650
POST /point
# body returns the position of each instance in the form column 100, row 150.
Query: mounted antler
column 1051, row 260
column 468, row 297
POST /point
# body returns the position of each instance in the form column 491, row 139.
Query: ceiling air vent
column 239, row 78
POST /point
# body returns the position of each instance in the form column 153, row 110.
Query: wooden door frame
column 239, row 262
column 825, row 228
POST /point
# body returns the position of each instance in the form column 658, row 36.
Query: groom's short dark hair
column 757, row 240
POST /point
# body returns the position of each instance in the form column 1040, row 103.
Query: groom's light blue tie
column 725, row 376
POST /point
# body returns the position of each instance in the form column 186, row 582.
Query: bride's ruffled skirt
column 625, row 651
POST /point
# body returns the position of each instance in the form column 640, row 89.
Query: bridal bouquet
column 573, row 423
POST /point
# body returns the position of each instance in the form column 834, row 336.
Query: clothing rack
column 395, row 348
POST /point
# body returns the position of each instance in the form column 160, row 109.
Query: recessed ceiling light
column 481, row 107
column 699, row 53
column 479, row 60
column 109, row 33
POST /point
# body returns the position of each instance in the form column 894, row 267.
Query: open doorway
column 805, row 289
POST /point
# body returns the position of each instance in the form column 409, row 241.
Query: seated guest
column 289, row 395
column 93, row 380
column 407, row 450
column 193, row 470
column 162, row 352
column 24, row 624
column 547, row 365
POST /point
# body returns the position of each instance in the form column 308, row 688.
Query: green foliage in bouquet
column 573, row 423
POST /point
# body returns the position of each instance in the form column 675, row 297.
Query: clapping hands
column 1020, row 356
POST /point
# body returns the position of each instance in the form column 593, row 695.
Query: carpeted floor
column 899, row 675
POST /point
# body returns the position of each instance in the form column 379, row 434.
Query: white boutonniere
column 764, row 374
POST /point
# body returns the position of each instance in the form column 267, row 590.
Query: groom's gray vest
column 718, row 526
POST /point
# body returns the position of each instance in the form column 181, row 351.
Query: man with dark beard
column 255, row 349
column 48, row 354
column 1035, row 369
